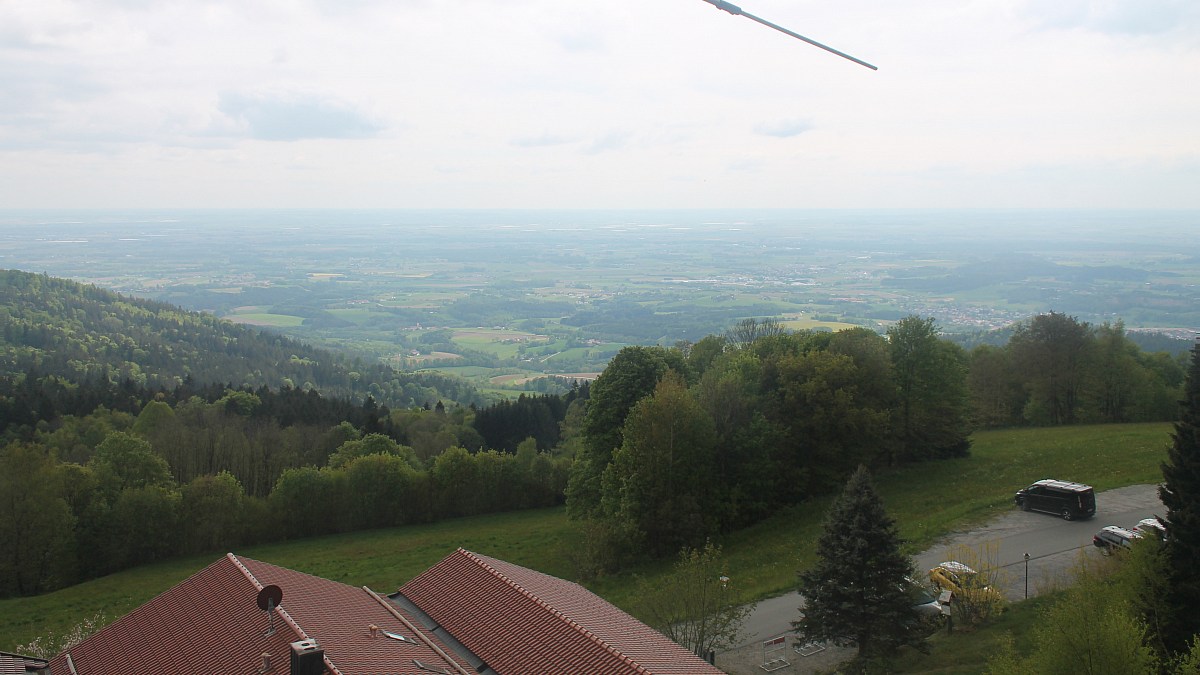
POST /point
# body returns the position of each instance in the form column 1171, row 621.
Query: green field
column 474, row 373
column 927, row 500
column 267, row 320
column 503, row 344
column 801, row 323
column 356, row 316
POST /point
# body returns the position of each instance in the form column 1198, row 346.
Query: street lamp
column 1026, row 576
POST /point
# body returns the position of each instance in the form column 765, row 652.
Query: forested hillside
column 82, row 334
column 114, row 452
column 133, row 431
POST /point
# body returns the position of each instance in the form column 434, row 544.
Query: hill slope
column 80, row 333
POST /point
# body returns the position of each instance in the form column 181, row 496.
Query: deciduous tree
column 629, row 377
column 661, row 484
column 36, row 524
column 1051, row 352
column 211, row 510
column 996, row 395
column 747, row 331
column 697, row 605
column 372, row 444
column 931, row 384
column 831, row 425
column 1089, row 630
column 125, row 461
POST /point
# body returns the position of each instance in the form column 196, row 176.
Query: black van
column 1060, row 497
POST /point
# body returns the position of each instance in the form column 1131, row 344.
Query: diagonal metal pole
column 737, row 11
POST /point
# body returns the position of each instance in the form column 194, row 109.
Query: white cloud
column 551, row 103
column 292, row 117
column 782, row 128
column 608, row 142
column 541, row 141
column 1117, row 17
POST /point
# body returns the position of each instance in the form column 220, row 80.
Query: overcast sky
column 586, row 104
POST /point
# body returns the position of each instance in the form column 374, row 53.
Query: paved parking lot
column 1054, row 545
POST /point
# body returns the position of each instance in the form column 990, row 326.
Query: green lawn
column 927, row 500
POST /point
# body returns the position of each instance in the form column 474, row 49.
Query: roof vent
column 307, row 658
column 422, row 666
column 266, row 663
column 374, row 630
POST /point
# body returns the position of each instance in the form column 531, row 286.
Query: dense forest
column 82, row 496
column 101, row 470
column 680, row 445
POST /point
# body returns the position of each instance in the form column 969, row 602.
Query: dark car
column 1060, row 497
column 1111, row 538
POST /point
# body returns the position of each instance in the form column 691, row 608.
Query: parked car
column 1151, row 526
column 1060, row 497
column 961, row 580
column 924, row 599
column 1111, row 538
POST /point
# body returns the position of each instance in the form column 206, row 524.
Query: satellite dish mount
column 268, row 599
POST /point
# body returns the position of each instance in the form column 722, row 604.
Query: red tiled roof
column 15, row 664
column 210, row 623
column 520, row 621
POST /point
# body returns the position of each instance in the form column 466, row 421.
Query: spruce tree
column 857, row 593
column 1180, row 492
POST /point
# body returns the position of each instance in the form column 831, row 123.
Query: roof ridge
column 245, row 570
column 478, row 560
column 283, row 613
column 419, row 633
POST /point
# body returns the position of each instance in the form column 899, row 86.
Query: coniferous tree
column 1180, row 492
column 857, row 593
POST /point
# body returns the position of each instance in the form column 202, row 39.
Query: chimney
column 307, row 658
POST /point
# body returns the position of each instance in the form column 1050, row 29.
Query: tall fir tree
column 1180, row 493
column 857, row 593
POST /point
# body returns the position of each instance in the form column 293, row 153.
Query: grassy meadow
column 927, row 500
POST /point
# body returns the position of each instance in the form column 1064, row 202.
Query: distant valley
column 504, row 298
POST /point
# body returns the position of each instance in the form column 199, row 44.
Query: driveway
column 1054, row 546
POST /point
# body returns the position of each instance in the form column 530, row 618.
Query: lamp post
column 1026, row 576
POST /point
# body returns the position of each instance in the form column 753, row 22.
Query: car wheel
column 1024, row 504
column 1066, row 514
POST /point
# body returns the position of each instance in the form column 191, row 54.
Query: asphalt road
column 1054, row 546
